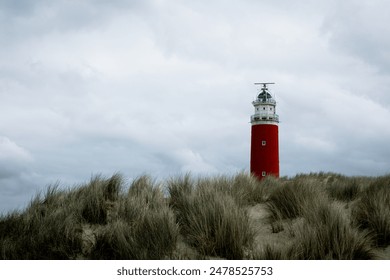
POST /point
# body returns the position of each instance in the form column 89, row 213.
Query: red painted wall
column 265, row 158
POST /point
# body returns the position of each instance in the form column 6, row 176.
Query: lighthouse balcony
column 265, row 117
column 269, row 101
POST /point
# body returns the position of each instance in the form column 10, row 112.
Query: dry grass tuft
column 327, row 234
column 290, row 200
column 210, row 219
column 372, row 211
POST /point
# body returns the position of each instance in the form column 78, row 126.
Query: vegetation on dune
column 326, row 234
column 143, row 226
column 372, row 211
column 344, row 189
column 290, row 199
column 48, row 229
column 209, row 218
column 309, row 216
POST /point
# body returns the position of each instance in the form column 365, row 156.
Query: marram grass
column 309, row 216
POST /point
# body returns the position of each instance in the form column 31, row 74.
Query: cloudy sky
column 164, row 87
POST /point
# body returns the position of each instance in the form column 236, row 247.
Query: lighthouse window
column 263, row 173
column 263, row 143
column 270, row 109
column 263, row 108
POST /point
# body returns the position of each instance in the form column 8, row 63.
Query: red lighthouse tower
column 265, row 135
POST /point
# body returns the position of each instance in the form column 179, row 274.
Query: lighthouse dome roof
column 264, row 96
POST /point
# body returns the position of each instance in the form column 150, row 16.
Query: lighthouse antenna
column 264, row 84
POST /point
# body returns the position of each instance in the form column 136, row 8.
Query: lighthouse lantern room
column 264, row 135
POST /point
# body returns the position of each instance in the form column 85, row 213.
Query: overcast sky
column 164, row 87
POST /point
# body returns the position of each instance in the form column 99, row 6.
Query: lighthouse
column 264, row 135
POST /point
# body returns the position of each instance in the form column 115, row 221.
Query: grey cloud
column 14, row 170
column 11, row 151
column 16, row 194
column 359, row 28
column 13, row 159
column 17, row 8
column 33, row 20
